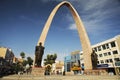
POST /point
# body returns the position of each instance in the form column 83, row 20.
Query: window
column 105, row 54
column 103, row 46
column 113, row 44
column 110, row 60
column 116, row 59
column 98, row 62
column 115, row 52
column 101, row 61
column 74, row 56
column 107, row 46
column 71, row 57
column 99, row 48
column 100, row 55
column 68, row 66
column 106, row 61
column 95, row 49
column 109, row 53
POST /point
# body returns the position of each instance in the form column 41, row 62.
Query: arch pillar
column 86, row 47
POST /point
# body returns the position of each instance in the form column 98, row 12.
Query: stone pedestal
column 69, row 73
column 95, row 72
column 38, row 71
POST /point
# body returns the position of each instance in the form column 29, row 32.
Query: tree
column 55, row 56
column 25, row 62
column 22, row 54
column 29, row 60
column 48, row 62
column 50, row 59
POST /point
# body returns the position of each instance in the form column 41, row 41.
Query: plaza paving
column 60, row 77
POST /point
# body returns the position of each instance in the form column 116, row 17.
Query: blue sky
column 22, row 21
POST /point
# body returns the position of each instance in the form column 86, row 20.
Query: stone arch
column 86, row 47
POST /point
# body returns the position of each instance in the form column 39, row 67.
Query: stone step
column 38, row 71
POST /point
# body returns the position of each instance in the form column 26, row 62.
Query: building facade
column 6, row 60
column 57, row 67
column 75, row 58
column 72, row 60
column 67, row 63
column 6, row 54
column 108, row 51
column 108, row 55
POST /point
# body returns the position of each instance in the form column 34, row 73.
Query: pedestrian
column 30, row 70
column 82, row 71
column 64, row 73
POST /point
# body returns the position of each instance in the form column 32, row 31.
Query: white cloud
column 94, row 4
column 72, row 26
column 94, row 14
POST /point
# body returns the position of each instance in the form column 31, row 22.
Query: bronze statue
column 38, row 55
column 94, row 59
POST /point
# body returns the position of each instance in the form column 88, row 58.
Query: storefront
column 110, row 70
column 117, row 68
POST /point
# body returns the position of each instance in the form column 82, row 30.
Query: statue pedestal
column 38, row 71
column 69, row 73
column 95, row 72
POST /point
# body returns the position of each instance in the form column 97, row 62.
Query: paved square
column 60, row 77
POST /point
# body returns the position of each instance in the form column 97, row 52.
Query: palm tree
column 25, row 62
column 29, row 60
column 50, row 59
column 22, row 54
column 55, row 56
column 48, row 62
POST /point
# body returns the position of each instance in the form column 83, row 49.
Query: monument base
column 38, row 71
column 69, row 73
column 95, row 72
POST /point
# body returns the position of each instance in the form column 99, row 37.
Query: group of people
column 27, row 69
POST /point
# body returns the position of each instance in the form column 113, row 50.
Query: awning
column 102, row 66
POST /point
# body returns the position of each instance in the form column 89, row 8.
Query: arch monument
column 86, row 47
